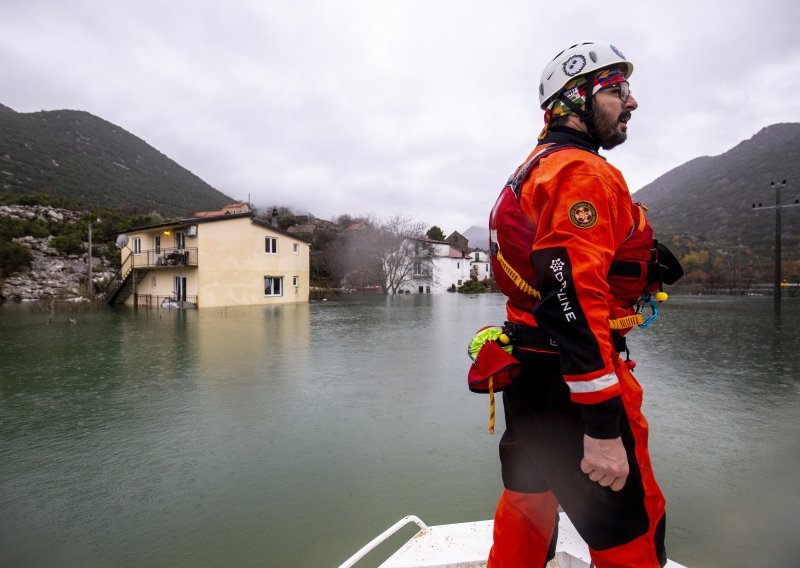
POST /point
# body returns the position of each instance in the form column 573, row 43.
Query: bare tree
column 370, row 252
column 402, row 248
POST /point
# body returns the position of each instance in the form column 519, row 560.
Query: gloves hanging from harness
column 493, row 367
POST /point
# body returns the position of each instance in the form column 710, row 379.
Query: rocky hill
column 53, row 275
column 710, row 199
column 88, row 161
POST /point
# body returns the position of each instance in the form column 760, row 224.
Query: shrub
column 67, row 244
column 472, row 287
column 13, row 257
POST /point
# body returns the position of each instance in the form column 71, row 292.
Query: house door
column 180, row 240
column 180, row 288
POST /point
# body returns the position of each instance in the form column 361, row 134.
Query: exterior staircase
column 122, row 287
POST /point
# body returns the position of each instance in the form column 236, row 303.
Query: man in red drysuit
column 565, row 227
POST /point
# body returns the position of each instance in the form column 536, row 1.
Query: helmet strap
column 586, row 114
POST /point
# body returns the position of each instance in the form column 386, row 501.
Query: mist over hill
column 77, row 156
column 478, row 236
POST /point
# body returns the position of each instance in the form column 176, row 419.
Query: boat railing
column 367, row 548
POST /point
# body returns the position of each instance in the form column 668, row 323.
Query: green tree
column 435, row 234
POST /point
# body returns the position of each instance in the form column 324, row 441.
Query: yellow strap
column 619, row 323
column 491, row 404
column 642, row 219
column 517, row 279
column 626, row 322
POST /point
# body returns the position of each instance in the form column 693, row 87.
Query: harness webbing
column 626, row 322
column 515, row 182
column 614, row 324
column 517, row 279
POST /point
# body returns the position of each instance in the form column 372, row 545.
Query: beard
column 608, row 129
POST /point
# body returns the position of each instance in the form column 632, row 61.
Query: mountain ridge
column 85, row 159
column 711, row 197
column 706, row 201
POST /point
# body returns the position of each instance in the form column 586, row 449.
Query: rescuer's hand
column 605, row 462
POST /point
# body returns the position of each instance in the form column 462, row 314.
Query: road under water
column 289, row 436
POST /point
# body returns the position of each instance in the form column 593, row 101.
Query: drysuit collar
column 567, row 136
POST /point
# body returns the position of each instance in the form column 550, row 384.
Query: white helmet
column 580, row 59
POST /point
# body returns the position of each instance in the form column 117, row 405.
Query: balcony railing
column 153, row 301
column 164, row 257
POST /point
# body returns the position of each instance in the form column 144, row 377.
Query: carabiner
column 652, row 317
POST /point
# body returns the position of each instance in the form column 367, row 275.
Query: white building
column 480, row 265
column 445, row 269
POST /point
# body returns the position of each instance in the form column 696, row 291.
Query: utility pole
column 778, row 271
column 777, row 187
column 90, row 285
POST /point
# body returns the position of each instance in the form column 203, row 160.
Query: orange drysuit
column 577, row 212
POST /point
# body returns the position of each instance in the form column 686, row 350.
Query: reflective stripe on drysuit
column 569, row 264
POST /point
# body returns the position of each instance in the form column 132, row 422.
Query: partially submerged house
column 480, row 266
column 439, row 266
column 219, row 258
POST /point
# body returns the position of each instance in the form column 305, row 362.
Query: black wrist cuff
column 602, row 420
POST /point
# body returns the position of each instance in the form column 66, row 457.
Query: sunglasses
column 622, row 90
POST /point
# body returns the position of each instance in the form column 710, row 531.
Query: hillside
column 87, row 160
column 709, row 199
column 478, row 236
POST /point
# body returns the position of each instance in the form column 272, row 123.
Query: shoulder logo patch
column 583, row 215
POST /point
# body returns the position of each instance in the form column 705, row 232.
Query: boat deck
column 466, row 545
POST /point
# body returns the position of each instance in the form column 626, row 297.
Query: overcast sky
column 420, row 107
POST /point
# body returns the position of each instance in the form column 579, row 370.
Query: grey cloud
column 373, row 107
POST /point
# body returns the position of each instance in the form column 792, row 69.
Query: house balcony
column 164, row 258
column 136, row 265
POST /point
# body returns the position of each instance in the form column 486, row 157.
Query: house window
column 295, row 248
column 458, row 265
column 180, row 240
column 271, row 245
column 295, row 281
column 421, row 289
column 137, row 246
column 460, row 282
column 273, row 285
column 157, row 242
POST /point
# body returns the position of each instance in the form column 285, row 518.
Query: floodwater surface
column 290, row 436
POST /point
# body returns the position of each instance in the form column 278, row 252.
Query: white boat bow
column 466, row 545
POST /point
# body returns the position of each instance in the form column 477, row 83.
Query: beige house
column 218, row 259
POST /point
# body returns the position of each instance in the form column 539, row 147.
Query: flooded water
column 290, row 436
